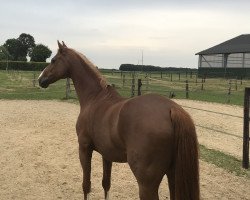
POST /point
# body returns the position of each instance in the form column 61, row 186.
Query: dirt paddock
column 39, row 154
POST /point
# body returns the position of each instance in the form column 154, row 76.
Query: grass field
column 23, row 85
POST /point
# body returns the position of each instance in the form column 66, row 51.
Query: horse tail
column 186, row 158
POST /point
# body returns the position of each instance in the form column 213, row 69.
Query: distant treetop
column 19, row 48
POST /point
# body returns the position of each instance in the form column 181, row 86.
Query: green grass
column 214, row 90
column 19, row 85
column 224, row 161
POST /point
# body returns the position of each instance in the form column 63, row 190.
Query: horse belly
column 113, row 154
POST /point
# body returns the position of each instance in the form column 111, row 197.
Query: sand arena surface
column 39, row 154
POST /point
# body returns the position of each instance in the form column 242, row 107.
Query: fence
column 232, row 85
column 169, row 84
column 183, row 86
column 16, row 84
column 179, row 85
column 141, row 84
column 245, row 162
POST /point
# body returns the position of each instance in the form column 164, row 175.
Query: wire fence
column 173, row 85
column 226, row 87
column 131, row 84
column 182, row 86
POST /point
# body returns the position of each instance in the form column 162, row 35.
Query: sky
column 113, row 32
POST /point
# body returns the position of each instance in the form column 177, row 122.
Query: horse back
column 146, row 118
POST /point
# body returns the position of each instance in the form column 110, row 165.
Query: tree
column 40, row 53
column 28, row 43
column 25, row 45
column 15, row 49
column 4, row 54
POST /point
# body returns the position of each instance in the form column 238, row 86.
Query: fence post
column 204, row 78
column 133, row 85
column 236, row 84
column 139, row 87
column 202, row 81
column 171, row 78
column 245, row 160
column 67, row 88
column 229, row 91
column 123, row 80
column 179, row 76
column 34, row 79
column 147, row 82
column 187, row 95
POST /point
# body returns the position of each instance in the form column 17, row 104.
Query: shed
column 228, row 59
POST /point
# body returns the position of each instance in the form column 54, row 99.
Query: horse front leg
column 107, row 166
column 85, row 155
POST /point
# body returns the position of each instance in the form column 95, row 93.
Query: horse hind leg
column 171, row 184
column 107, row 166
column 148, row 191
column 149, row 179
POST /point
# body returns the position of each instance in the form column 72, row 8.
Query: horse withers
column 150, row 132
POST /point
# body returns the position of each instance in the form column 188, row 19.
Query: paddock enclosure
column 39, row 153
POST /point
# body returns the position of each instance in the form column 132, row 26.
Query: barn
column 230, row 59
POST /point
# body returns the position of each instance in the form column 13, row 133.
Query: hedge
column 225, row 73
column 24, row 66
column 150, row 68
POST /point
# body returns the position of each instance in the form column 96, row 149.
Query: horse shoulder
column 83, row 127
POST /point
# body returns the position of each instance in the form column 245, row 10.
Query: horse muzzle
column 43, row 82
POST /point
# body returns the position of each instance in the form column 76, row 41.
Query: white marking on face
column 41, row 74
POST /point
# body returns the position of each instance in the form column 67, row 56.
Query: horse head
column 57, row 69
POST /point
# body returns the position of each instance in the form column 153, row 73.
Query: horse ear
column 64, row 45
column 60, row 46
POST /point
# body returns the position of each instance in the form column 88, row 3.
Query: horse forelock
column 92, row 68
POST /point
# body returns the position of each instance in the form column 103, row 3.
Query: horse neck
column 86, row 83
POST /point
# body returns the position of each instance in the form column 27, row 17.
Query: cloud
column 112, row 32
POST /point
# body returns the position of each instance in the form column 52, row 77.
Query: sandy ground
column 229, row 138
column 39, row 154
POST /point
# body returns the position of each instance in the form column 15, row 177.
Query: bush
column 23, row 66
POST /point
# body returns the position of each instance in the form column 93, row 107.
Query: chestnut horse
column 150, row 132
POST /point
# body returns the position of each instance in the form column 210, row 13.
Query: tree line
column 18, row 49
column 148, row 68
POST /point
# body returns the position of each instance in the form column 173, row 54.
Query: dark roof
column 239, row 44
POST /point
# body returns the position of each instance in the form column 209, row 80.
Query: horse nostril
column 43, row 82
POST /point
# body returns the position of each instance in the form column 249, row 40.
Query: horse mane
column 93, row 69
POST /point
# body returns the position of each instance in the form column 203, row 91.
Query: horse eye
column 53, row 60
